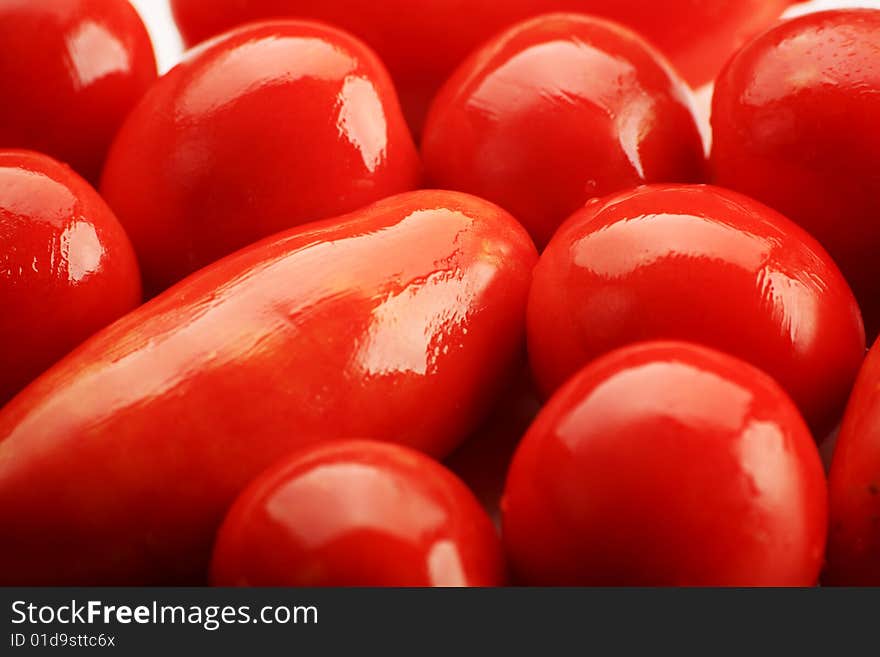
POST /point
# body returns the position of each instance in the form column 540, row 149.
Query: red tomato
column 667, row 464
column 422, row 42
column 795, row 125
column 266, row 128
column 357, row 513
column 70, row 71
column 558, row 110
column 67, row 268
column 399, row 323
column 702, row 264
column 854, row 537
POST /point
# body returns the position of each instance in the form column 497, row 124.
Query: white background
column 166, row 40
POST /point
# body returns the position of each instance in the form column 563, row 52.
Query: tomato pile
column 371, row 294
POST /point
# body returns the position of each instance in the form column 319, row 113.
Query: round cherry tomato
column 422, row 42
column 795, row 126
column 399, row 322
column 667, row 464
column 558, row 110
column 271, row 126
column 357, row 513
column 67, row 268
column 854, row 536
column 697, row 263
column 70, row 71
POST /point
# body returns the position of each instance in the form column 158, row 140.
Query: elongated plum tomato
column 357, row 513
column 67, row 268
column 422, row 42
column 69, row 73
column 854, row 536
column 794, row 124
column 399, row 322
column 667, row 463
column 268, row 127
column 558, row 110
column 702, row 264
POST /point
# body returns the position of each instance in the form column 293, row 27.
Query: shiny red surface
column 667, row 464
column 702, row 264
column 272, row 126
column 422, row 42
column 398, row 323
column 67, row 268
column 357, row 513
column 558, row 110
column 70, row 71
column 795, row 125
column 854, row 536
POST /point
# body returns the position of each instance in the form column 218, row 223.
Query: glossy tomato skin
column 67, row 268
column 667, row 464
column 795, row 126
column 357, row 513
column 70, row 72
column 268, row 127
column 422, row 42
column 702, row 264
column 399, row 322
column 854, row 483
column 558, row 110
